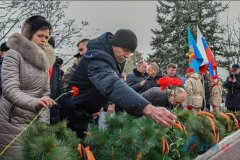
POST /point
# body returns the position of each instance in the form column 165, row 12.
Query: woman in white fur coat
column 25, row 82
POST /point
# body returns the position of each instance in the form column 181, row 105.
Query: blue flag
column 195, row 57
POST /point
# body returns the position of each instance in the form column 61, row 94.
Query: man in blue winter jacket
column 98, row 78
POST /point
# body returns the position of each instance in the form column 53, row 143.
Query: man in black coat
column 153, row 75
column 56, row 89
column 98, row 78
column 168, row 99
column 136, row 79
column 82, row 49
column 232, row 84
column 55, row 76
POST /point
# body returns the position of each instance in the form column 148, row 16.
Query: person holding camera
column 232, row 84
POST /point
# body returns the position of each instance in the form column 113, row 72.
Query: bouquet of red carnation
column 166, row 81
column 176, row 82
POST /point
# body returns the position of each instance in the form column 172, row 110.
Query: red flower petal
column 74, row 91
column 189, row 107
column 162, row 87
column 176, row 82
column 168, row 81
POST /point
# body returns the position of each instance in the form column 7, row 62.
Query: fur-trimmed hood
column 42, row 59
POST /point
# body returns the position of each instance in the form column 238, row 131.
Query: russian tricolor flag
column 206, row 54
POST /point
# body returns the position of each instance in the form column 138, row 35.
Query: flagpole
column 203, row 83
column 204, row 95
column 216, row 72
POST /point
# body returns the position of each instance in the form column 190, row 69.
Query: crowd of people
column 32, row 78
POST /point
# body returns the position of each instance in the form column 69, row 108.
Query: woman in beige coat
column 25, row 82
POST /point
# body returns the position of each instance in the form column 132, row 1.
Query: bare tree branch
column 65, row 30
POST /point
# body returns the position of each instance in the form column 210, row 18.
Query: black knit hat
column 235, row 66
column 33, row 24
column 59, row 61
column 51, row 41
column 125, row 38
column 4, row 47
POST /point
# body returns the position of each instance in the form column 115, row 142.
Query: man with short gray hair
column 136, row 79
column 153, row 75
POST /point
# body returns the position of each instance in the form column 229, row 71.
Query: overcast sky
column 109, row 16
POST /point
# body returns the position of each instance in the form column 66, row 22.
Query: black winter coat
column 56, row 83
column 233, row 93
column 133, row 80
column 160, row 98
column 98, row 78
column 152, row 82
column 157, row 97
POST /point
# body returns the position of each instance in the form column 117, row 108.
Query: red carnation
column 176, row 82
column 74, row 91
column 189, row 107
column 165, row 81
column 163, row 87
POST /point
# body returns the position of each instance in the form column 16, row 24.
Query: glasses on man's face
column 177, row 102
column 80, row 49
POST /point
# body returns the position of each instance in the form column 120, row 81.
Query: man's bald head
column 178, row 96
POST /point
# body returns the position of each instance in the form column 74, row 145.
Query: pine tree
column 170, row 41
column 126, row 137
column 42, row 141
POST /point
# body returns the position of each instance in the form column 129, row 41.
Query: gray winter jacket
column 24, row 81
